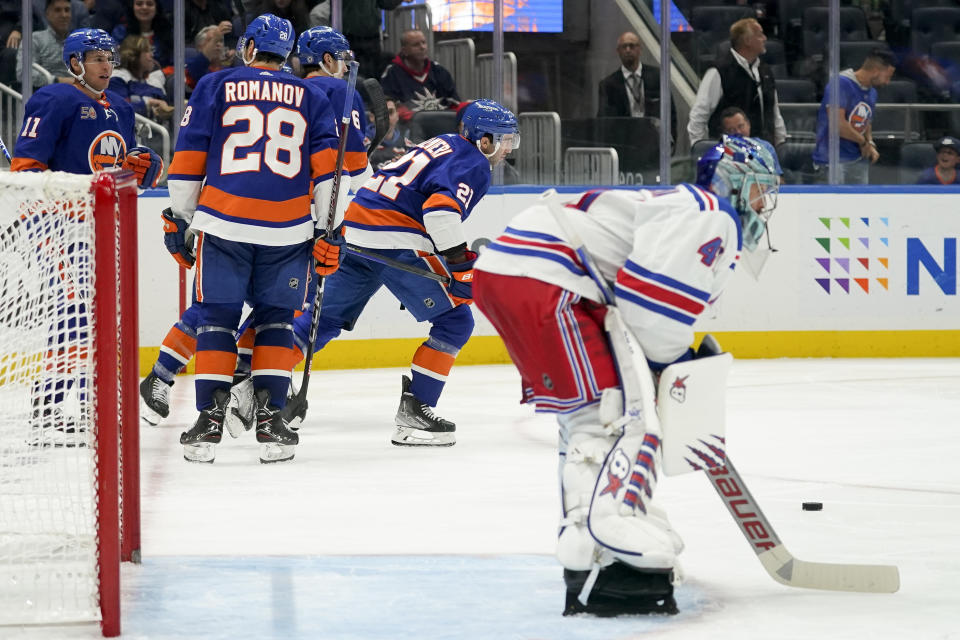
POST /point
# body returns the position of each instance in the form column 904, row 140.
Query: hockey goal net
column 69, row 475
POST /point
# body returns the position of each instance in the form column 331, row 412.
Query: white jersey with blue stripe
column 667, row 253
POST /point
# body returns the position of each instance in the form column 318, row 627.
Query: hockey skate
column 199, row 443
column 277, row 441
column 51, row 428
column 417, row 426
column 154, row 399
column 620, row 589
column 241, row 410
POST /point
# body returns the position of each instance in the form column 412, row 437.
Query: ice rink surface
column 358, row 539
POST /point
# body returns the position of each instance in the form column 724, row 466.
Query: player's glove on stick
column 145, row 164
column 326, row 251
column 461, row 282
column 175, row 238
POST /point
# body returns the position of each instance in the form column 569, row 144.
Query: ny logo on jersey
column 106, row 151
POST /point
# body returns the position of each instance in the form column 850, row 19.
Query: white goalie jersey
column 668, row 252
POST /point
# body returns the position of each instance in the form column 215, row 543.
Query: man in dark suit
column 633, row 90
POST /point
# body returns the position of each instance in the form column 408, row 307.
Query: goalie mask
column 744, row 173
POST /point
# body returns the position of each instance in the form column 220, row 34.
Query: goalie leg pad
column 620, row 590
column 241, row 408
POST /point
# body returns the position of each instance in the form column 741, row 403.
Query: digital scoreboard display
column 527, row 16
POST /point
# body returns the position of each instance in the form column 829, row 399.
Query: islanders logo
column 860, row 116
column 852, row 255
column 107, row 151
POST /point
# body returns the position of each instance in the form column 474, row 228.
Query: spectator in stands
column 203, row 13
column 139, row 80
column 419, row 83
column 945, row 171
column 295, row 11
column 109, row 14
column 633, row 90
column 856, row 99
column 48, row 44
column 144, row 18
column 394, row 144
column 211, row 55
column 739, row 79
column 733, row 121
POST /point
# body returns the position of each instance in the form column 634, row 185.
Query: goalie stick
column 779, row 563
column 301, row 397
column 6, row 153
column 378, row 105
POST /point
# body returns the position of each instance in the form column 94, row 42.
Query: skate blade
column 199, row 452
column 411, row 437
column 271, row 452
column 148, row 415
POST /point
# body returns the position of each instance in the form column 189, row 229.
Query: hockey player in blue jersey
column 78, row 128
column 256, row 148
column 82, row 127
column 411, row 210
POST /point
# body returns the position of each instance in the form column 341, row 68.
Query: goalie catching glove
column 326, row 251
column 461, row 278
column 146, row 165
column 175, row 238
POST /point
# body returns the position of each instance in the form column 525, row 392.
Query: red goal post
column 69, row 413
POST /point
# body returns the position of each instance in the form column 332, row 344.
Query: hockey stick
column 778, row 562
column 6, row 153
column 396, row 264
column 378, row 104
column 318, row 296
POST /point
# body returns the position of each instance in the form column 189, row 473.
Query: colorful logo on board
column 854, row 255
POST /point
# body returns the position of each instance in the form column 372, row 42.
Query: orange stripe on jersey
column 216, row 363
column 183, row 344
column 355, row 160
column 434, row 360
column 254, row 208
column 323, row 162
column 381, row 217
column 246, row 340
column 269, row 357
column 190, row 163
column 27, row 164
column 442, row 201
column 436, row 264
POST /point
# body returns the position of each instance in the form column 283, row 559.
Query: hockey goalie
column 597, row 297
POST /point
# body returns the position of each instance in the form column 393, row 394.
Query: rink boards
column 857, row 272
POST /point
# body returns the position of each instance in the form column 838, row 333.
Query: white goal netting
column 48, row 452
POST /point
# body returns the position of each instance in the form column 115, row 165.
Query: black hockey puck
column 812, row 506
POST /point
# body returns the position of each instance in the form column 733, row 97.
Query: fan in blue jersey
column 82, row 127
column 412, row 210
column 256, row 148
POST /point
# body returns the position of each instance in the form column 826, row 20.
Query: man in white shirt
column 739, row 79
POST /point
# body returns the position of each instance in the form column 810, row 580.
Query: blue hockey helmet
column 486, row 117
column 744, row 173
column 270, row 34
column 316, row 41
column 79, row 42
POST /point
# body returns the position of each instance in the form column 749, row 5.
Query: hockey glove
column 145, row 164
column 326, row 251
column 461, row 282
column 175, row 237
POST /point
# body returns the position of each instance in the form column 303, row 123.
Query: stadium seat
column 796, row 160
column 914, row 158
column 947, row 52
column 901, row 11
column 852, row 54
column 931, row 25
column 711, row 26
column 796, row 90
column 427, row 124
column 891, row 122
column 800, row 121
column 853, row 26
